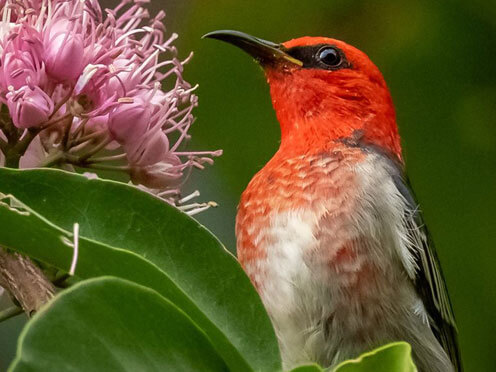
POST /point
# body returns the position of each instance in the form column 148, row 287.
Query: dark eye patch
column 317, row 56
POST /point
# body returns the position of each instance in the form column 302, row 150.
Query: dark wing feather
column 429, row 280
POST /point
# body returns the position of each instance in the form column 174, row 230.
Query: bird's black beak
column 265, row 52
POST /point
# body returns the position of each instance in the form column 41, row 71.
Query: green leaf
column 124, row 217
column 47, row 242
column 109, row 324
column 308, row 368
column 388, row 358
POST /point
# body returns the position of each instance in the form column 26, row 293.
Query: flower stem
column 8, row 129
column 55, row 121
column 67, row 132
column 10, row 312
column 79, row 129
column 62, row 102
column 13, row 153
column 95, row 149
column 106, row 158
column 3, row 146
column 12, row 159
column 88, row 137
column 123, row 168
column 52, row 159
column 25, row 281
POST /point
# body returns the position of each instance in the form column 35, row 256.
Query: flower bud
column 149, row 151
column 64, row 55
column 18, row 69
column 128, row 122
column 29, row 107
column 124, row 80
column 166, row 173
column 97, row 123
column 161, row 102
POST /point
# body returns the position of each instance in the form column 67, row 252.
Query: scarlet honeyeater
column 328, row 230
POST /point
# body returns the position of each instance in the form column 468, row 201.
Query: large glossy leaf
column 123, row 216
column 308, row 368
column 32, row 234
column 394, row 357
column 388, row 358
column 108, row 324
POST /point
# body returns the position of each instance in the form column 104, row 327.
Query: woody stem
column 25, row 281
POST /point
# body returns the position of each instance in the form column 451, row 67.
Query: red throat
column 318, row 108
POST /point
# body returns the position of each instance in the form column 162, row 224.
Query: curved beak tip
column 227, row 34
column 265, row 52
column 210, row 35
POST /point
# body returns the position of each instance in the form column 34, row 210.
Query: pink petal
column 29, row 108
column 128, row 122
column 64, row 56
column 150, row 151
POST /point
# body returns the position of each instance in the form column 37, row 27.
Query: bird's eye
column 329, row 56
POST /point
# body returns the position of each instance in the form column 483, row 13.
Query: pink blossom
column 128, row 122
column 97, row 123
column 89, row 83
column 161, row 175
column 123, row 79
column 64, row 55
column 21, row 58
column 29, row 107
column 18, row 70
column 150, row 150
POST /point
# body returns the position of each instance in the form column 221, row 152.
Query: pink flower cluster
column 86, row 87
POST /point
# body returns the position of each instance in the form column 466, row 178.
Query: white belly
column 288, row 283
column 309, row 302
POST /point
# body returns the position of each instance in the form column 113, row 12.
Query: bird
column 329, row 230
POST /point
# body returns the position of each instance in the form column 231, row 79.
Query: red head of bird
column 323, row 90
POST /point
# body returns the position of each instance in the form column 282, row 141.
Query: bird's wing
column 429, row 280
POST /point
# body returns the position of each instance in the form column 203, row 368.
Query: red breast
column 299, row 183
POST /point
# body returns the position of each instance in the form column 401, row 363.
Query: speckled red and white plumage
column 320, row 235
column 289, row 185
column 325, row 231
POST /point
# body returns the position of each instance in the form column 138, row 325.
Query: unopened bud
column 164, row 174
column 128, row 122
column 64, row 55
column 124, row 80
column 29, row 107
column 149, row 151
column 18, row 70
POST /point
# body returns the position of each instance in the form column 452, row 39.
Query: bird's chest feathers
column 300, row 182
column 287, row 203
column 322, row 232
column 302, row 261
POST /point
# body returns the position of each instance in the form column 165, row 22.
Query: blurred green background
column 439, row 61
